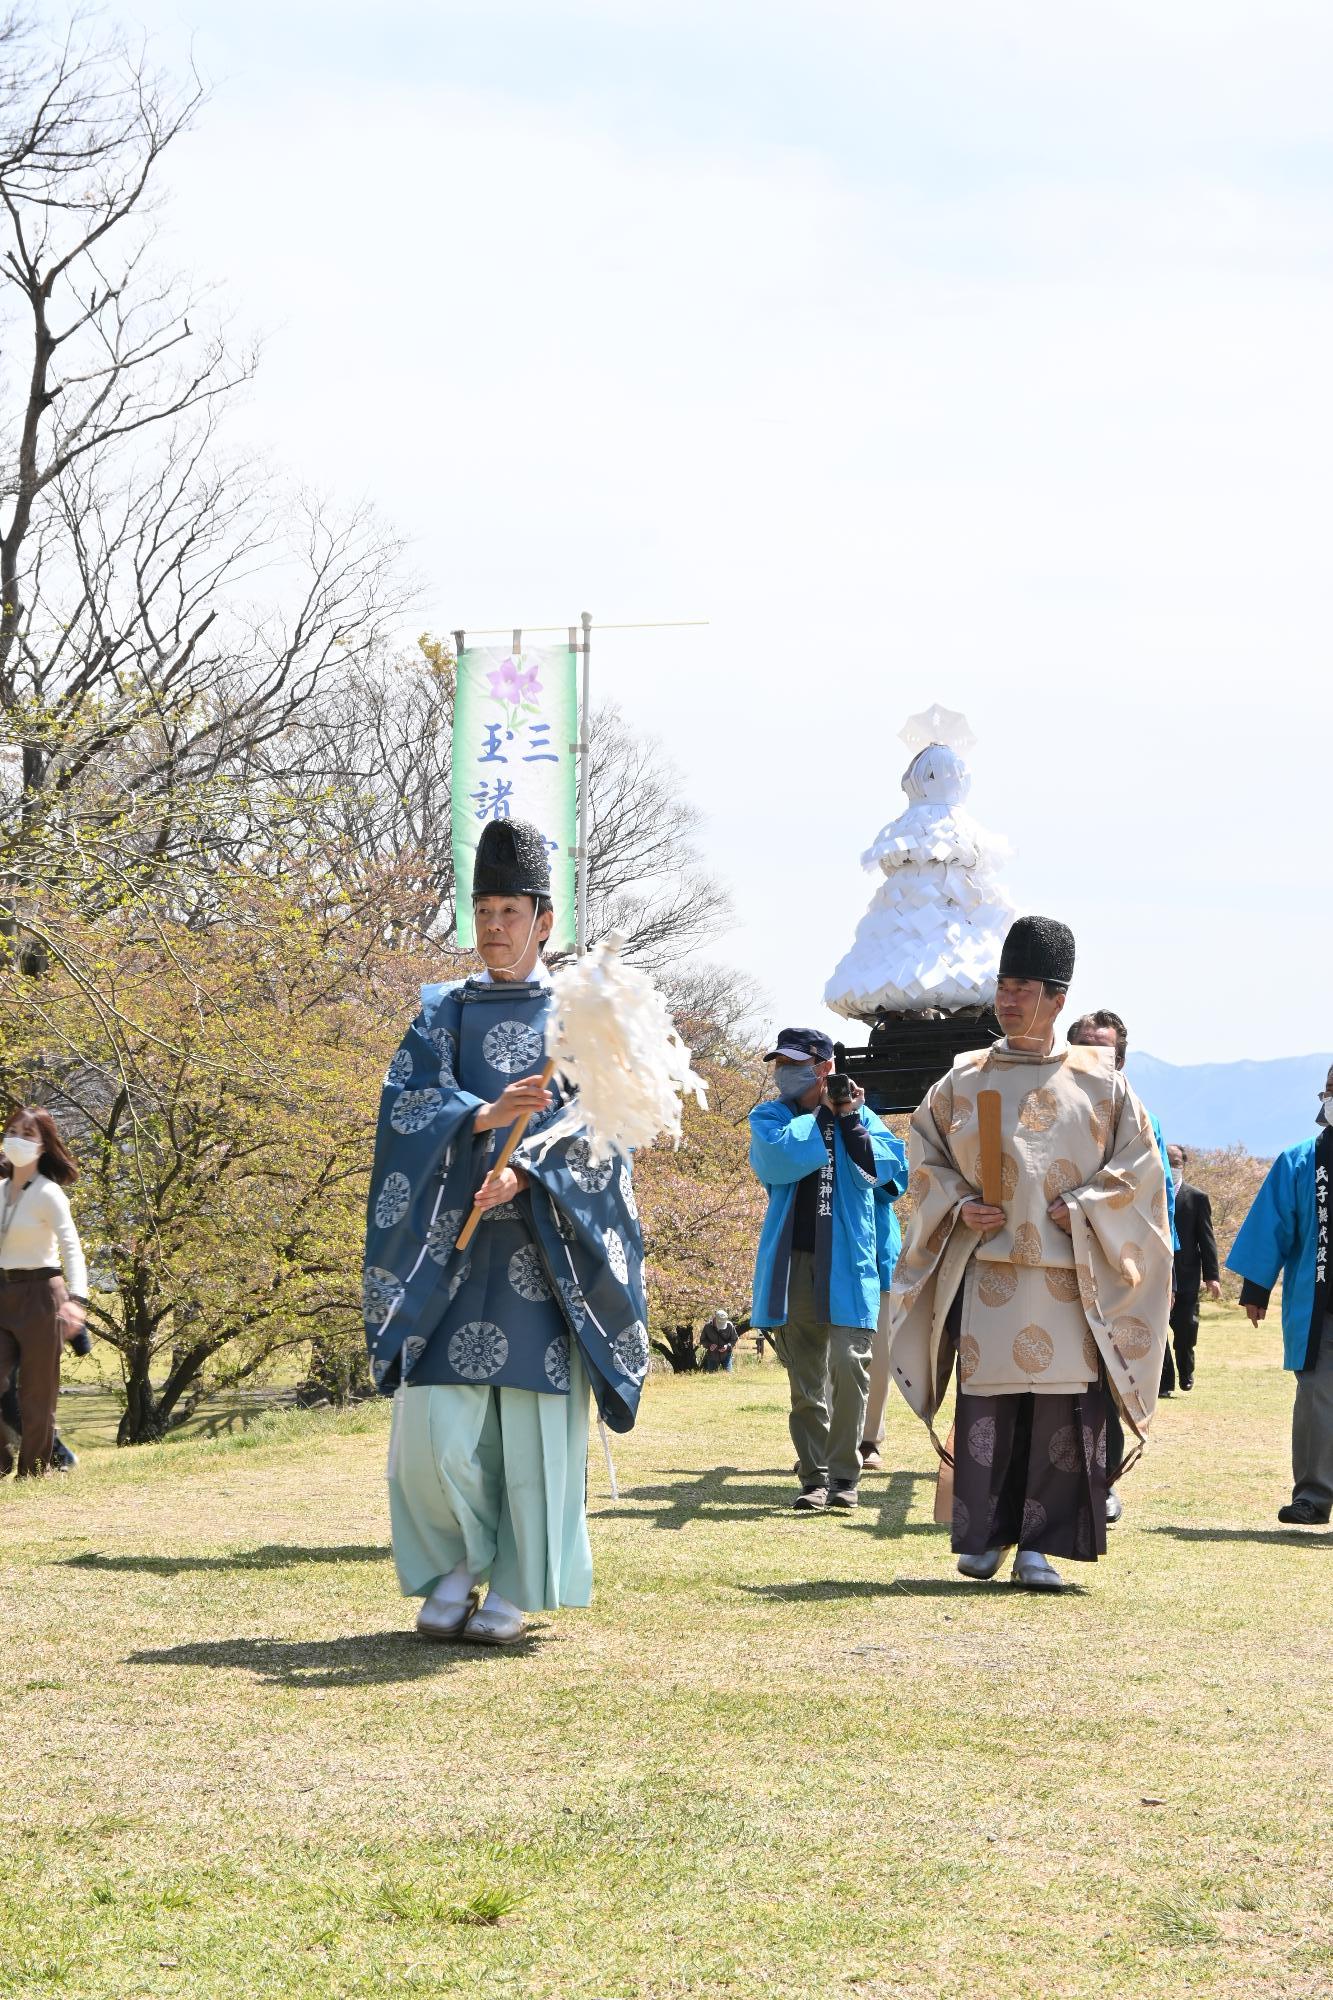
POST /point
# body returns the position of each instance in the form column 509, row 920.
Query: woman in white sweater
column 43, row 1276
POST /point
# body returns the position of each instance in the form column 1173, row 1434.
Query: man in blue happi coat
column 888, row 1242
column 1286, row 1231
column 817, row 1272
column 489, row 1353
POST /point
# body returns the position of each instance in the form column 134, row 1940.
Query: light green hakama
column 495, row 1478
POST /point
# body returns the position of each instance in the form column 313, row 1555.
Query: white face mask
column 20, row 1152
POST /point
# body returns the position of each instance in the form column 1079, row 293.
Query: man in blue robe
column 1286, row 1231
column 489, row 1353
column 817, row 1270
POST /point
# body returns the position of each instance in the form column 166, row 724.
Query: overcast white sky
column 969, row 351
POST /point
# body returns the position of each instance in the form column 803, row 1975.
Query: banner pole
column 585, row 772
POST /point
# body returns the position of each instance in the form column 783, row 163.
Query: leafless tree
column 373, row 801
column 167, row 611
column 646, row 873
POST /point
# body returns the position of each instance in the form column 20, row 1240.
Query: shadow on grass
column 827, row 1590
column 962, row 1586
column 726, row 1493
column 1290, row 1537
column 895, row 1504
column 707, row 1495
column 276, row 1555
column 369, row 1659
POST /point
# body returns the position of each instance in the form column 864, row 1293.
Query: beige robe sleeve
column 936, row 1248
column 1122, row 1252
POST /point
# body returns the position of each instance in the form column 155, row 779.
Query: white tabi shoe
column 495, row 1624
column 981, row 1568
column 443, row 1617
column 1032, row 1572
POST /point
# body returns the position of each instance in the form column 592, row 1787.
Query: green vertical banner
column 515, row 725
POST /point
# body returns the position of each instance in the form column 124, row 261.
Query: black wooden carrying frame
column 907, row 1054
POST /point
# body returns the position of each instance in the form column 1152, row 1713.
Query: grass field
column 779, row 1756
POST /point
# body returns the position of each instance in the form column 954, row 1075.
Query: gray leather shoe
column 1033, row 1572
column 494, row 1628
column 981, row 1568
column 444, row 1618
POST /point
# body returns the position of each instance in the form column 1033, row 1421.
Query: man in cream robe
column 1050, row 1301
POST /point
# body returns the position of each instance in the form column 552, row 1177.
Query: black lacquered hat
column 511, row 860
column 1038, row 948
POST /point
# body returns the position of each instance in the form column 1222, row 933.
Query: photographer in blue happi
column 490, row 1352
column 820, row 1155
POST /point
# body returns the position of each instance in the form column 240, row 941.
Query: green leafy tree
column 702, row 1210
column 220, row 1089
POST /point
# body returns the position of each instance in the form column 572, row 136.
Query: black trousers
column 1184, row 1337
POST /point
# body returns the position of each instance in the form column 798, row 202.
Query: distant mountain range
column 1262, row 1106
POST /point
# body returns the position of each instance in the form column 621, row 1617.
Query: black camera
column 838, row 1089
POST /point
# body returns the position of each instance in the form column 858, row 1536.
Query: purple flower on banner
column 514, row 683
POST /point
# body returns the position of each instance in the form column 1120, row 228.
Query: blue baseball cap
column 801, row 1045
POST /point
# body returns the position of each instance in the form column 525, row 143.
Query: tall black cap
column 511, row 860
column 1038, row 948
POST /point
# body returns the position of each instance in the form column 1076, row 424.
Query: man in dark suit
column 1196, row 1265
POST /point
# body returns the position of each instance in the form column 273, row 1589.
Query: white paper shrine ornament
column 932, row 935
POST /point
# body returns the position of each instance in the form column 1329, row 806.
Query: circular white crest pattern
column 630, row 1350
column 393, row 1200
column 455, row 1285
column 443, row 1234
column 413, row 1349
column 615, row 1255
column 478, row 1350
column 565, row 1228
column 557, row 1362
column 512, row 1047
column 627, row 1193
column 414, row 1110
column 399, row 1070
column 381, row 1294
column 446, row 1048
column 504, row 1211
column 574, row 1301
column 591, row 1175
column 527, row 1276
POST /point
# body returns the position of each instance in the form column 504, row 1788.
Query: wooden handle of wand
column 516, row 1131
column 992, row 1151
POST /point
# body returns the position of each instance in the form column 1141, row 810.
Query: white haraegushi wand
column 614, row 1043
